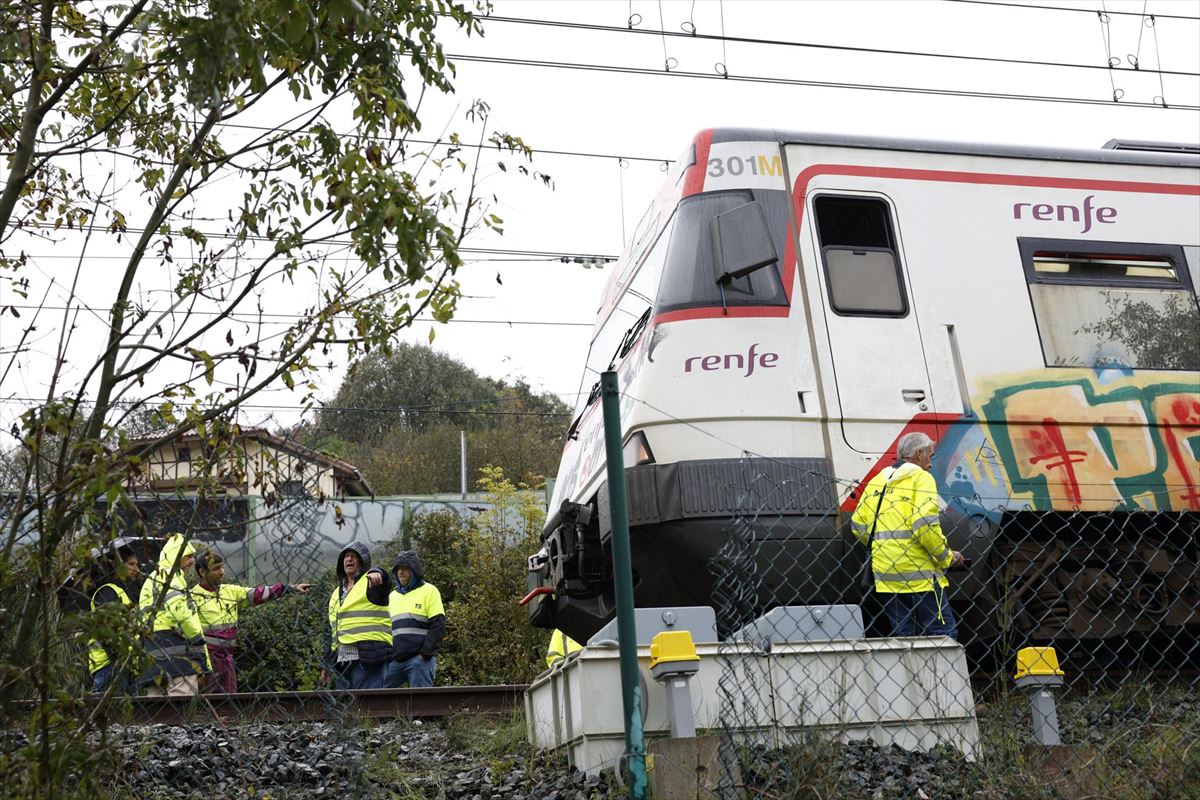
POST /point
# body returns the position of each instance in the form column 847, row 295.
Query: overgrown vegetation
column 398, row 415
column 1139, row 743
column 224, row 159
column 479, row 567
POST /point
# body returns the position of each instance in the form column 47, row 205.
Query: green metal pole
column 635, row 749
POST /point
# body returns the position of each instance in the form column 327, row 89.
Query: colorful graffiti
column 1091, row 441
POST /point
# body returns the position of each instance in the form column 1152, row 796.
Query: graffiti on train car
column 1096, row 441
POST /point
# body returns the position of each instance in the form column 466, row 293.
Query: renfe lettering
column 738, row 361
column 1105, row 215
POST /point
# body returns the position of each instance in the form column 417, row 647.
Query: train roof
column 1115, row 151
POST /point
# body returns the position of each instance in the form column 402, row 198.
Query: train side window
column 1112, row 304
column 858, row 248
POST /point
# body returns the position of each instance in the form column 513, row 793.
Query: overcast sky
column 650, row 112
column 596, row 201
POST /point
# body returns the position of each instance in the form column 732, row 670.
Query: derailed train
column 792, row 304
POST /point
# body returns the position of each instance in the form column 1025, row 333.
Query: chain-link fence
column 220, row 578
column 892, row 674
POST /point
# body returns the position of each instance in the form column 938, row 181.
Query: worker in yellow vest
column 176, row 639
column 218, row 604
column 118, row 587
column 561, row 646
column 359, row 623
column 897, row 518
column 418, row 624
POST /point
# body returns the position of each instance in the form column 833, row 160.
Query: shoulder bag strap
column 875, row 521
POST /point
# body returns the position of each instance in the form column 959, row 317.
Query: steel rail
column 432, row 703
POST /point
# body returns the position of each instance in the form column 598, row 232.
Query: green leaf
column 209, row 365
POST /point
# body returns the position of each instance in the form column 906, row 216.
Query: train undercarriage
column 1124, row 586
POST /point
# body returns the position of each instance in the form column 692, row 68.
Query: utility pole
column 462, row 460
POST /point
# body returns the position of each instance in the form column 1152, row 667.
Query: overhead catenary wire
column 1028, row 7
column 524, row 255
column 723, row 38
column 1106, row 37
column 244, row 316
column 317, row 406
column 779, row 81
column 447, row 143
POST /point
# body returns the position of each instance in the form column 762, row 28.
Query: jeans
column 106, row 675
column 916, row 614
column 417, row 672
column 367, row 676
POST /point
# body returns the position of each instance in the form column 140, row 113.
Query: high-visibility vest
column 561, row 646
column 410, row 613
column 98, row 657
column 909, row 552
column 177, row 638
column 356, row 619
column 218, row 611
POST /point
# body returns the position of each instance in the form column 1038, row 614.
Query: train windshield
column 678, row 272
column 689, row 275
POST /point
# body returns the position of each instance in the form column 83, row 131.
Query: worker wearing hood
column 361, row 637
column 418, row 624
column 176, row 640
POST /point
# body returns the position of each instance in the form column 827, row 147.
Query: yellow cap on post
column 1037, row 661
column 672, row 646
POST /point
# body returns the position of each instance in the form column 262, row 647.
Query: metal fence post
column 635, row 751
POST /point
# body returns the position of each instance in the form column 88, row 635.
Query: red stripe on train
column 695, row 183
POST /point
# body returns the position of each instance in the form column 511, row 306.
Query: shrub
column 478, row 566
column 489, row 639
column 281, row 644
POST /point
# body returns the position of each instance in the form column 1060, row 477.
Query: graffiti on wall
column 1089, row 441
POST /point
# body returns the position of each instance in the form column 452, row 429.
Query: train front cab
column 1068, row 448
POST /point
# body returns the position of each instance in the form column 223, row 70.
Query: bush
column 489, row 638
column 478, row 566
column 281, row 644
column 441, row 538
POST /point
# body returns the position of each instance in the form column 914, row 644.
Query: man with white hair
column 897, row 518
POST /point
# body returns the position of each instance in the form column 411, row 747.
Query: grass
column 487, row 736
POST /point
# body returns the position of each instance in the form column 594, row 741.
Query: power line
column 349, row 409
column 815, row 46
column 524, row 62
column 444, row 143
column 524, row 255
column 599, row 261
column 1093, row 11
column 237, row 316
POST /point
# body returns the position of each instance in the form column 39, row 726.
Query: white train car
column 805, row 300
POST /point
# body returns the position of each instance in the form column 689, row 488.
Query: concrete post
column 1038, row 674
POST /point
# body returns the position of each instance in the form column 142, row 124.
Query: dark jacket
column 437, row 623
column 368, row 652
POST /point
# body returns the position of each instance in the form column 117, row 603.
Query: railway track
column 439, row 701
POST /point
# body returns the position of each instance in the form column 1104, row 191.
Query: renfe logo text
column 734, row 361
column 1047, row 212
